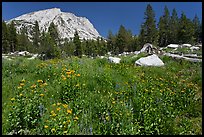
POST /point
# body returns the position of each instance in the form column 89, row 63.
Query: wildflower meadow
column 84, row 96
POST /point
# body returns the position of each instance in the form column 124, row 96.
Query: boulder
column 114, row 59
column 147, row 48
column 186, row 45
column 152, row 60
column 194, row 48
column 175, row 56
column 199, row 45
column 172, row 46
column 101, row 57
column 137, row 52
column 23, row 53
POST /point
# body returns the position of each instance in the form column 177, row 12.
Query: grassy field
column 93, row 96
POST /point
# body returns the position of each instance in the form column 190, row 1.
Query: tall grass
column 93, row 96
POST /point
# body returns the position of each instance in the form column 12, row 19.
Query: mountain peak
column 53, row 10
column 66, row 23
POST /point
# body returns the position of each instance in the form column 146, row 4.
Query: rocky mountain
column 66, row 23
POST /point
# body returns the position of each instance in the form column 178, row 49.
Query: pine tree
column 24, row 43
column 129, row 39
column 77, row 43
column 111, row 40
column 122, row 39
column 5, row 41
column 54, row 33
column 148, row 33
column 174, row 26
column 186, row 30
column 13, row 41
column 164, row 30
column 89, row 48
column 196, row 24
column 135, row 43
column 200, row 33
column 36, row 37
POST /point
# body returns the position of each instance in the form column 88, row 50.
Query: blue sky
column 105, row 16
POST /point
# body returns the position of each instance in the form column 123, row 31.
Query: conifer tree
column 196, row 24
column 120, row 40
column 174, row 26
column 77, row 43
column 186, row 30
column 54, row 33
column 13, row 41
column 164, row 29
column 111, row 40
column 200, row 33
column 5, row 41
column 36, row 37
column 24, row 43
column 148, row 33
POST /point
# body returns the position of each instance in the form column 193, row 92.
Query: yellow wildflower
column 69, row 111
column 65, row 105
column 113, row 102
column 19, row 87
column 58, row 104
column 40, row 81
column 45, row 126
column 53, row 130
column 58, row 109
column 72, row 71
column 54, row 115
column 21, row 94
column 68, row 76
column 52, row 112
column 65, row 132
column 22, row 84
column 64, row 78
column 12, row 99
column 54, row 104
column 41, row 95
column 68, row 121
column 45, row 84
column 76, row 118
column 68, row 72
column 33, row 86
column 63, row 68
column 78, row 75
column 23, row 80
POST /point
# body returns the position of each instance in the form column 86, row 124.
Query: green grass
column 93, row 96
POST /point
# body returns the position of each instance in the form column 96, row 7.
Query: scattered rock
column 186, row 45
column 114, row 59
column 147, row 48
column 23, row 53
column 194, row 48
column 137, row 52
column 152, row 60
column 175, row 56
column 172, row 46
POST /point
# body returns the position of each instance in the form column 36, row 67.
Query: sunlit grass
column 93, row 96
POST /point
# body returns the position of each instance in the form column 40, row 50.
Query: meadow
column 85, row 96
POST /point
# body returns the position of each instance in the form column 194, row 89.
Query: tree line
column 170, row 29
